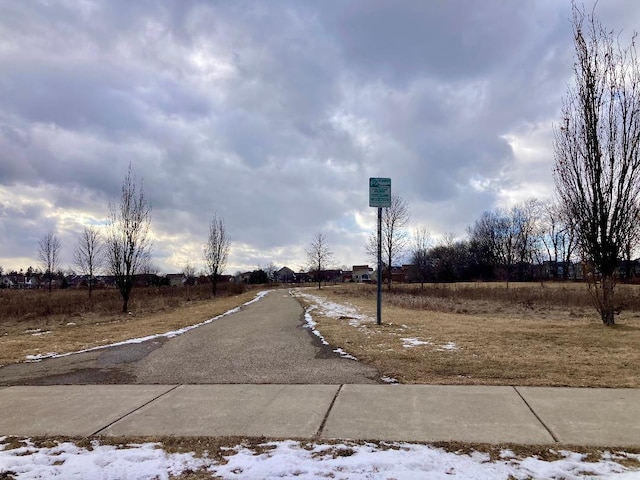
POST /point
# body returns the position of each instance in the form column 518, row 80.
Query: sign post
column 380, row 197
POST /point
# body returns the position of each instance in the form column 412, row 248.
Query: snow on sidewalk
column 295, row 460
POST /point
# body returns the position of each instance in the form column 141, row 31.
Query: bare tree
column 318, row 256
column 271, row 269
column 597, row 152
column 526, row 225
column 189, row 273
column 420, row 257
column 558, row 239
column 49, row 255
column 88, row 255
column 491, row 236
column 216, row 251
column 128, row 242
column 508, row 238
column 395, row 238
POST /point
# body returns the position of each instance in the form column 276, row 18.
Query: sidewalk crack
column 134, row 410
column 326, row 415
column 549, row 431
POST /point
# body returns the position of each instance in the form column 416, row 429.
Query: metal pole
column 379, row 303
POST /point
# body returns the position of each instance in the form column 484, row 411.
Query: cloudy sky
column 274, row 115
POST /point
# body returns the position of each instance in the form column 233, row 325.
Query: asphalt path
column 265, row 342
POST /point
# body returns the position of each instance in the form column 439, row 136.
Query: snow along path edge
column 335, row 310
column 171, row 334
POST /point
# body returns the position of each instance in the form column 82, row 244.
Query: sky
column 274, row 115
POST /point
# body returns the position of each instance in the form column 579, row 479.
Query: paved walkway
column 418, row 413
column 264, row 342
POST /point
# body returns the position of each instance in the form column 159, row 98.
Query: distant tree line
column 530, row 241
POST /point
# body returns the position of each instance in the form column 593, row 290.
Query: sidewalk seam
column 97, row 432
column 549, row 431
column 326, row 415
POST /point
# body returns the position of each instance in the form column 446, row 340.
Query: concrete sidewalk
column 419, row 413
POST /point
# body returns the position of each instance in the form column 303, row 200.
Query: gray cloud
column 274, row 116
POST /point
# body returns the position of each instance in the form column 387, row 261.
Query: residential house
column 285, row 275
column 347, row 276
column 304, row 277
column 243, row 277
column 362, row 274
column 176, row 279
column 331, row 276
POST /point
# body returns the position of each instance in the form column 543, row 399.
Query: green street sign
column 380, row 192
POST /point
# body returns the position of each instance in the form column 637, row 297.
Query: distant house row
column 358, row 274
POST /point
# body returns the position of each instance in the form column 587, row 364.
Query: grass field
column 77, row 324
column 456, row 334
column 484, row 334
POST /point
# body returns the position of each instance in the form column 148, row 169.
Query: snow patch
column 413, row 342
column 386, row 379
column 66, row 460
column 447, row 347
column 336, row 310
column 311, row 324
column 293, row 460
column 37, row 332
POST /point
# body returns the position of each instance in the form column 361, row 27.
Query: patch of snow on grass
column 344, row 354
column 413, row 342
column 171, row 334
column 337, row 310
column 293, row 460
column 39, row 356
column 66, row 460
column 311, row 324
column 290, row 459
column 447, row 347
column 386, row 379
column 37, row 332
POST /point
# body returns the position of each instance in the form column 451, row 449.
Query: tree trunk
column 607, row 307
column 125, row 292
column 214, row 284
column 125, row 303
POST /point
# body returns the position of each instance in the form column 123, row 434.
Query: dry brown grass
column 498, row 342
column 86, row 328
column 25, row 305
